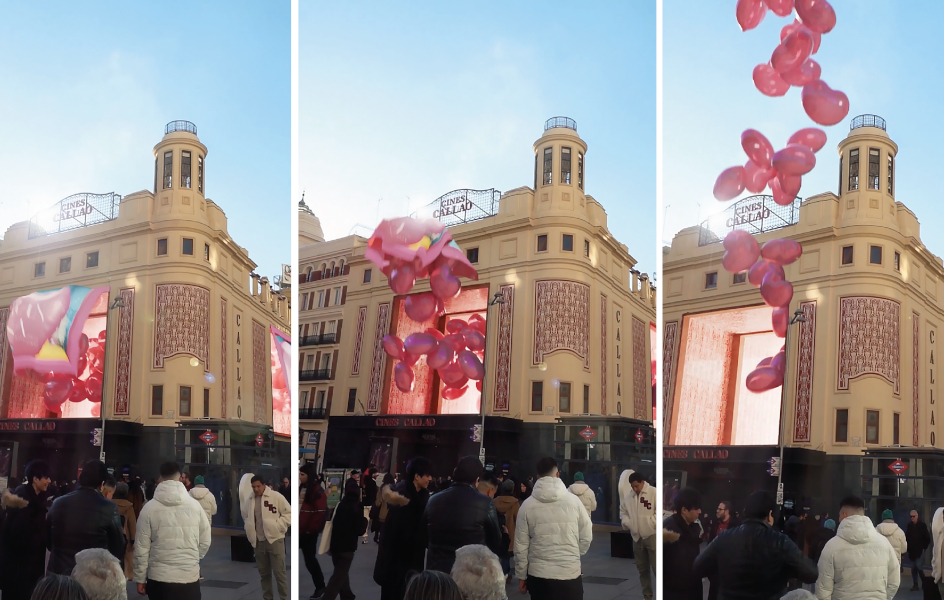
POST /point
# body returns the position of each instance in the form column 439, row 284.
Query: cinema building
column 184, row 326
column 861, row 380
column 568, row 341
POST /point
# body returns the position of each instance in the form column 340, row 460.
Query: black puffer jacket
column 78, row 521
column 458, row 517
column 348, row 524
column 403, row 541
column 23, row 543
column 679, row 552
column 754, row 562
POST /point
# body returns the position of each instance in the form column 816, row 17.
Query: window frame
column 166, row 246
column 891, row 174
column 183, row 246
column 840, row 176
column 878, row 422
column 708, row 283
column 541, row 237
column 186, row 169
column 548, row 168
column 206, row 402
column 743, row 278
column 875, row 174
column 69, row 265
column 564, row 237
column 337, row 296
column 561, row 396
column 180, row 401
column 881, row 254
column 200, row 173
column 157, row 400
column 843, row 423
column 586, row 248
column 472, row 258
column 853, row 182
column 206, row 252
column 88, row 257
column 586, row 399
column 565, row 164
column 537, row 386
column 39, row 270
column 168, row 175
column 842, row 256
column 351, row 400
column 896, row 429
column 898, row 261
column 367, row 275
column 580, row 169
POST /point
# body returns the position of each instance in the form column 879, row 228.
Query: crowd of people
column 843, row 559
column 89, row 542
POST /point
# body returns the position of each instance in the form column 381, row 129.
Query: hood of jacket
column 856, row 529
column 122, row 503
column 11, row 500
column 549, row 489
column 505, row 503
column 624, row 488
column 171, row 493
column 579, row 487
column 887, row 528
column 199, row 492
column 393, row 497
column 670, row 537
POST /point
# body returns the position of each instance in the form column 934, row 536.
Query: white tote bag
column 326, row 534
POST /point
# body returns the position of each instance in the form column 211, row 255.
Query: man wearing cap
column 583, row 491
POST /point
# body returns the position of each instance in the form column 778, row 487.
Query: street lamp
column 118, row 303
column 797, row 318
column 497, row 299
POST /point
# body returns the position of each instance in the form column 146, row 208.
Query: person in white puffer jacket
column 205, row 497
column 583, row 491
column 859, row 563
column 893, row 533
column 173, row 535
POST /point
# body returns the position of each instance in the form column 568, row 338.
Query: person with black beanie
column 347, row 524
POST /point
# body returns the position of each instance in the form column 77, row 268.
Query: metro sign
column 208, row 437
column 588, row 434
column 639, row 436
column 898, row 467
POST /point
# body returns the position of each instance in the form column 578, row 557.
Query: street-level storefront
column 902, row 480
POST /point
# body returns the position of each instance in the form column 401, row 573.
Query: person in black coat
column 403, row 543
column 83, row 519
column 919, row 539
column 755, row 560
column 460, row 516
column 23, row 543
column 681, row 543
column 347, row 525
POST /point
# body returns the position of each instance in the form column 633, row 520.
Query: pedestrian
column 724, row 520
column 918, row 538
column 478, row 574
column 818, row 540
column 185, row 479
column 58, row 587
column 136, row 493
column 507, row 507
column 859, row 563
column 681, row 543
column 460, row 516
column 129, row 523
column 524, row 491
column 285, row 489
column 370, row 497
column 432, row 585
column 149, row 491
column 83, row 519
column 267, row 517
column 488, row 486
column 205, row 497
column 173, row 536
column 100, row 575
column 403, row 541
column 347, row 524
column 754, row 560
column 552, row 533
column 380, row 504
column 311, row 523
column 638, row 515
column 580, row 489
column 893, row 533
column 23, row 541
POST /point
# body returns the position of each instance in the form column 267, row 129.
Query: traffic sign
column 97, row 436
column 208, row 437
column 639, row 436
column 588, row 434
column 259, row 439
column 476, row 433
column 774, row 463
column 898, row 467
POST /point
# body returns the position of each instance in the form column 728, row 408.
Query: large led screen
column 281, row 363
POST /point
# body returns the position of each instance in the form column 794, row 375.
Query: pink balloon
column 811, row 137
column 818, row 15
column 420, row 307
column 823, row 104
column 776, row 293
column 782, row 251
column 58, row 390
column 456, row 326
column 78, row 392
column 780, row 196
column 478, row 323
column 452, row 375
column 403, row 378
column 760, row 269
column 410, row 359
column 795, row 159
column 402, row 279
column 420, row 344
column 792, row 51
column 443, row 355
column 93, row 388
column 451, row 393
column 781, row 8
column 471, row 366
column 763, row 379
column 756, row 178
column 729, row 184
column 750, row 13
column 455, row 341
column 83, row 344
column 478, row 385
column 443, row 283
column 393, row 346
column 779, row 321
column 757, row 147
column 764, row 363
column 435, row 333
column 33, row 319
column 52, row 405
column 474, row 340
column 768, row 81
column 779, row 362
column 806, row 73
column 736, row 238
column 97, row 410
column 817, row 36
column 741, row 251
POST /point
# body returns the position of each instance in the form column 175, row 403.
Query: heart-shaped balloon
column 759, row 271
column 792, row 51
column 757, row 147
column 79, row 394
column 817, row 36
column 741, row 251
column 780, row 197
column 393, row 346
column 750, row 13
column 779, row 321
column 410, row 359
column 452, row 375
column 93, row 388
column 795, row 159
column 403, row 377
column 83, row 344
column 52, row 405
column 776, row 293
column 33, row 320
column 782, row 251
column 811, row 137
column 402, row 279
column 474, row 340
column 764, row 363
column 768, row 81
column 420, row 307
column 806, row 73
column 729, row 184
column 443, row 283
column 435, row 333
column 478, row 323
column 790, row 184
column 779, row 361
column 451, row 393
column 96, row 411
column 443, row 355
column 763, row 379
column 823, row 104
column 818, row 15
column 471, row 366
column 781, row 8
column 58, row 390
column 756, row 178
column 456, row 325
column 420, row 343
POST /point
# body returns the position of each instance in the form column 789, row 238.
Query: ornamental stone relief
column 181, row 322
column 123, row 372
column 503, row 363
column 869, row 339
column 259, row 363
column 806, row 347
column 359, row 340
column 640, row 372
column 561, row 319
column 378, row 360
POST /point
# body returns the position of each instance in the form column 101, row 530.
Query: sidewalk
column 604, row 578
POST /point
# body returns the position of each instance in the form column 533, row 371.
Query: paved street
column 605, row 578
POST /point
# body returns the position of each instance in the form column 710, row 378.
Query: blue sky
column 407, row 102
column 86, row 91
column 884, row 55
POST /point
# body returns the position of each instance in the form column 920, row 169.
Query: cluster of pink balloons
column 456, row 356
column 65, row 387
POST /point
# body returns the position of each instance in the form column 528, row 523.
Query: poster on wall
column 334, row 485
column 281, row 363
column 380, row 455
column 57, row 340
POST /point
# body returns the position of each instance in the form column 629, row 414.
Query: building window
column 200, row 174
column 367, row 275
column 162, row 247
column 586, row 248
column 184, row 401
column 351, row 399
column 337, row 296
column 847, row 255
column 564, row 398
column 586, row 399
column 840, row 177
column 304, row 403
column 473, row 255
column 740, row 277
column 304, row 300
column 321, row 298
column 874, row 176
column 325, row 362
column 871, row 427
column 896, row 435
column 311, row 363
column 185, row 169
column 537, row 396
column 542, row 243
column 567, row 244
column 39, row 269
column 320, row 402
column 565, row 165
column 65, row 264
column 842, row 425
column 875, row 255
column 535, row 171
column 897, row 261
column 91, row 260
column 188, row 247
column 891, row 175
column 580, row 170
column 711, row 280
column 548, row 162
column 853, row 169
column 157, row 400
column 206, row 402
column 155, row 174
column 168, row 170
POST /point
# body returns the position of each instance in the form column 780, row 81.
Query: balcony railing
column 560, row 122
column 316, row 414
column 315, row 375
column 180, row 126
column 867, row 121
column 317, row 340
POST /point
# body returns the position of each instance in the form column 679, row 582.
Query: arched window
column 308, row 274
column 341, row 267
column 331, row 271
column 324, row 270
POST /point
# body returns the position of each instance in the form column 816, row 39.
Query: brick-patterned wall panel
column 668, row 366
column 181, row 322
column 506, row 313
column 869, row 339
column 4, row 350
column 123, row 371
column 359, row 340
column 561, row 319
column 260, row 360
column 806, row 346
column 223, row 333
column 915, row 379
column 379, row 359
column 603, row 354
column 641, row 370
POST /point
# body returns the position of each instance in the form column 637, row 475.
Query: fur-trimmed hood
column 11, row 500
column 670, row 537
column 393, row 497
